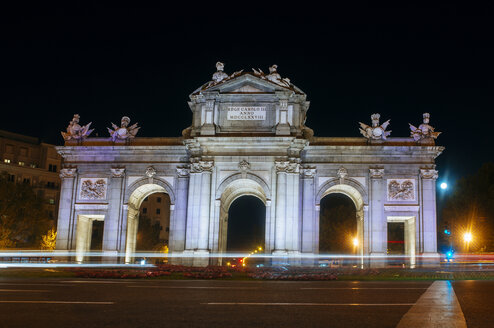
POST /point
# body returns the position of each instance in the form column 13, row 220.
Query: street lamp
column 467, row 237
column 443, row 185
column 355, row 242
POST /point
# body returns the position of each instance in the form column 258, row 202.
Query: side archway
column 135, row 195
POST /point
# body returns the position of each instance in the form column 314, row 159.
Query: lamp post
column 467, row 238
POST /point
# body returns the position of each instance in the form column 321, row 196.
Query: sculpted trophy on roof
column 273, row 76
column 376, row 131
column 424, row 131
column 75, row 131
column 124, row 132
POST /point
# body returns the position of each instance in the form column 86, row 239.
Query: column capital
column 281, row 166
column 308, row 172
column 117, row 172
column 183, row 171
column 287, row 166
column 376, row 173
column 202, row 166
column 68, row 173
column 428, row 174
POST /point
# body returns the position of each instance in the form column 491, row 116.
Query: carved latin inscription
column 93, row 188
column 244, row 113
column 401, row 189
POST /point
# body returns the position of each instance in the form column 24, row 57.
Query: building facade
column 27, row 160
column 248, row 137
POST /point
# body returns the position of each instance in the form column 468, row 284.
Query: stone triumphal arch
column 248, row 137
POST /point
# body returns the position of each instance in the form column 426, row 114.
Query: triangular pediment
column 245, row 82
column 247, row 88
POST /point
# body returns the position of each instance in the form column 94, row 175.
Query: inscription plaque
column 246, row 113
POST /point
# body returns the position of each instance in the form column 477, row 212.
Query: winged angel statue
column 75, row 131
column 124, row 132
column 424, row 131
column 375, row 131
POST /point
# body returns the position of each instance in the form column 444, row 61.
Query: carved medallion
column 150, row 172
column 93, row 188
column 401, row 189
column 244, row 165
column 342, row 173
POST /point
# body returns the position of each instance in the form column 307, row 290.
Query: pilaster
column 308, row 209
column 378, row 222
column 280, row 220
column 178, row 225
column 428, row 210
column 66, row 221
column 113, row 219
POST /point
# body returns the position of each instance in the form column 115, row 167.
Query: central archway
column 246, row 224
column 235, row 189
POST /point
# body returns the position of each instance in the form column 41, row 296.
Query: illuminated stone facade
column 248, row 137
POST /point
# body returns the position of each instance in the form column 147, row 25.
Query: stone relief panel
column 401, row 189
column 93, row 188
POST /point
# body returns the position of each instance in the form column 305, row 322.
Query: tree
column 48, row 240
column 471, row 208
column 23, row 218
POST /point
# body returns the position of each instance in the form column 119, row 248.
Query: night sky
column 104, row 62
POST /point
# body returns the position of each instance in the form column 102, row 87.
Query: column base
column 283, row 130
column 429, row 259
column 196, row 257
column 377, row 260
column 109, row 257
column 208, row 130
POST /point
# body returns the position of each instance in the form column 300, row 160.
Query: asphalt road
column 166, row 303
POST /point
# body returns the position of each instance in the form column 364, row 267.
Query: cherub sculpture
column 75, row 131
column 424, row 131
column 124, row 132
column 376, row 131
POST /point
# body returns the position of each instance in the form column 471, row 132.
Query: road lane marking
column 312, row 304
column 96, row 282
column 193, row 287
column 364, row 288
column 437, row 307
column 14, row 284
column 59, row 302
column 24, row 290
